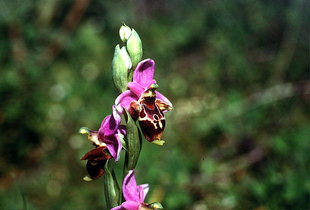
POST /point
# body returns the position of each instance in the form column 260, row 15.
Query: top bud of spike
column 133, row 44
column 124, row 32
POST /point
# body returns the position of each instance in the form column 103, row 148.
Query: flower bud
column 126, row 58
column 124, row 32
column 134, row 47
column 121, row 63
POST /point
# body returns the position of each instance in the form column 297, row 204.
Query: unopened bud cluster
column 126, row 57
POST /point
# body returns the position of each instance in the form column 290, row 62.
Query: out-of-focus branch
column 236, row 109
column 254, row 156
column 70, row 22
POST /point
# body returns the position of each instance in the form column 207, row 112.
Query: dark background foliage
column 237, row 73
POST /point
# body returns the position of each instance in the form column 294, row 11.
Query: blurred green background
column 237, row 73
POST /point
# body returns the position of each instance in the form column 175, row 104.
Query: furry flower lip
column 96, row 159
column 144, row 102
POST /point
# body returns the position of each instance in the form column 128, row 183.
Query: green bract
column 133, row 143
column 111, row 188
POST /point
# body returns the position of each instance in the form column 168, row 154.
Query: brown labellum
column 95, row 168
column 152, row 122
column 96, row 160
column 149, row 111
column 151, row 118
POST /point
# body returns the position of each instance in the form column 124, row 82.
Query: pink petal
column 136, row 88
column 124, row 100
column 122, row 130
column 163, row 98
column 131, row 205
column 114, row 146
column 110, row 124
column 104, row 125
column 118, row 208
column 116, row 115
column 143, row 190
column 130, row 190
column 144, row 73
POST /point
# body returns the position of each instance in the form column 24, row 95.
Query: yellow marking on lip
column 159, row 142
column 151, row 121
column 87, row 179
column 160, row 124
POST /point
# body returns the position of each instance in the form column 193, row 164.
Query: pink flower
column 107, row 143
column 144, row 103
column 134, row 194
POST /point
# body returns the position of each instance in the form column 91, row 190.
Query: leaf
column 111, row 187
